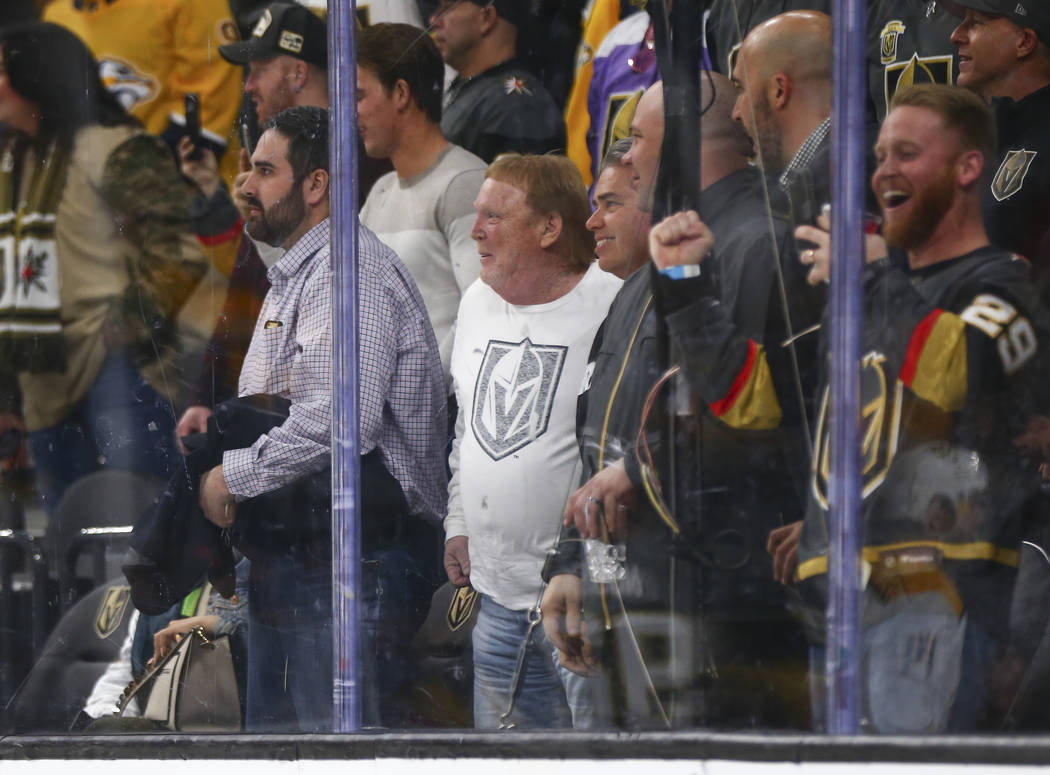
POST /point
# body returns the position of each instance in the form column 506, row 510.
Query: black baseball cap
column 514, row 11
column 283, row 28
column 1033, row 14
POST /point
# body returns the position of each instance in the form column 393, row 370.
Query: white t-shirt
column 517, row 371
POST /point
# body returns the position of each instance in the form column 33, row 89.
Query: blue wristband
column 681, row 272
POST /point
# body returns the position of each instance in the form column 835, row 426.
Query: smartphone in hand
column 193, row 123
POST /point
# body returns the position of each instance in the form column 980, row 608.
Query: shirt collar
column 297, row 254
column 804, row 155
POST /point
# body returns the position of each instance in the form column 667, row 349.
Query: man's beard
column 768, row 143
column 276, row 225
column 929, row 206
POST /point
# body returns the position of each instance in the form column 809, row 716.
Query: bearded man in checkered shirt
column 402, row 428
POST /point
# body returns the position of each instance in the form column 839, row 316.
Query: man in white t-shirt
column 518, row 363
column 424, row 208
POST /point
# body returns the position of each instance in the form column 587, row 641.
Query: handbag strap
column 146, row 680
column 200, row 608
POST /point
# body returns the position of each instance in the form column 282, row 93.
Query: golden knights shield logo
column 514, row 394
column 888, row 40
column 917, row 70
column 1011, row 174
column 879, row 425
column 461, row 607
column 111, row 611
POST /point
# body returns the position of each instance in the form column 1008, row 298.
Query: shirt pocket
column 270, row 346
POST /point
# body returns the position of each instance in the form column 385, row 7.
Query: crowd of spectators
column 607, row 424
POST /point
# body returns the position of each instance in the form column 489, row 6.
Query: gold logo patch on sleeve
column 888, row 41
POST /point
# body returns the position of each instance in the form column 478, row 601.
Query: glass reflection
column 618, row 421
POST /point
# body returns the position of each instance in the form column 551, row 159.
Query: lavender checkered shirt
column 402, row 401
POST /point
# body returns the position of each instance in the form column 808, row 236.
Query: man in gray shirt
column 424, row 208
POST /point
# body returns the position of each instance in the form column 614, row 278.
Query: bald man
column 731, row 20
column 724, row 585
column 783, row 79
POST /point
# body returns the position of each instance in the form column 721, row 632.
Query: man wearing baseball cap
column 1004, row 55
column 494, row 105
column 286, row 56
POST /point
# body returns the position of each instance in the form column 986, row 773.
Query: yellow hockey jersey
column 152, row 53
column 599, row 16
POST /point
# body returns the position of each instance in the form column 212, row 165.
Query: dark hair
column 306, row 129
column 396, row 52
column 960, row 109
column 49, row 66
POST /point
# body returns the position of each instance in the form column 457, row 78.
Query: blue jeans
column 922, row 672
column 289, row 646
column 290, row 641
column 549, row 696
column 121, row 423
column 396, row 588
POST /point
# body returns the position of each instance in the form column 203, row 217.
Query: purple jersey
column 624, row 66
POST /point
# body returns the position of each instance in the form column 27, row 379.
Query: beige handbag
column 194, row 688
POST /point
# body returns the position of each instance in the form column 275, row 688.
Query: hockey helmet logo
column 1011, row 173
column 111, row 610
column 461, row 607
column 888, row 40
column 917, row 70
column 130, row 86
column 880, row 429
column 514, row 394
